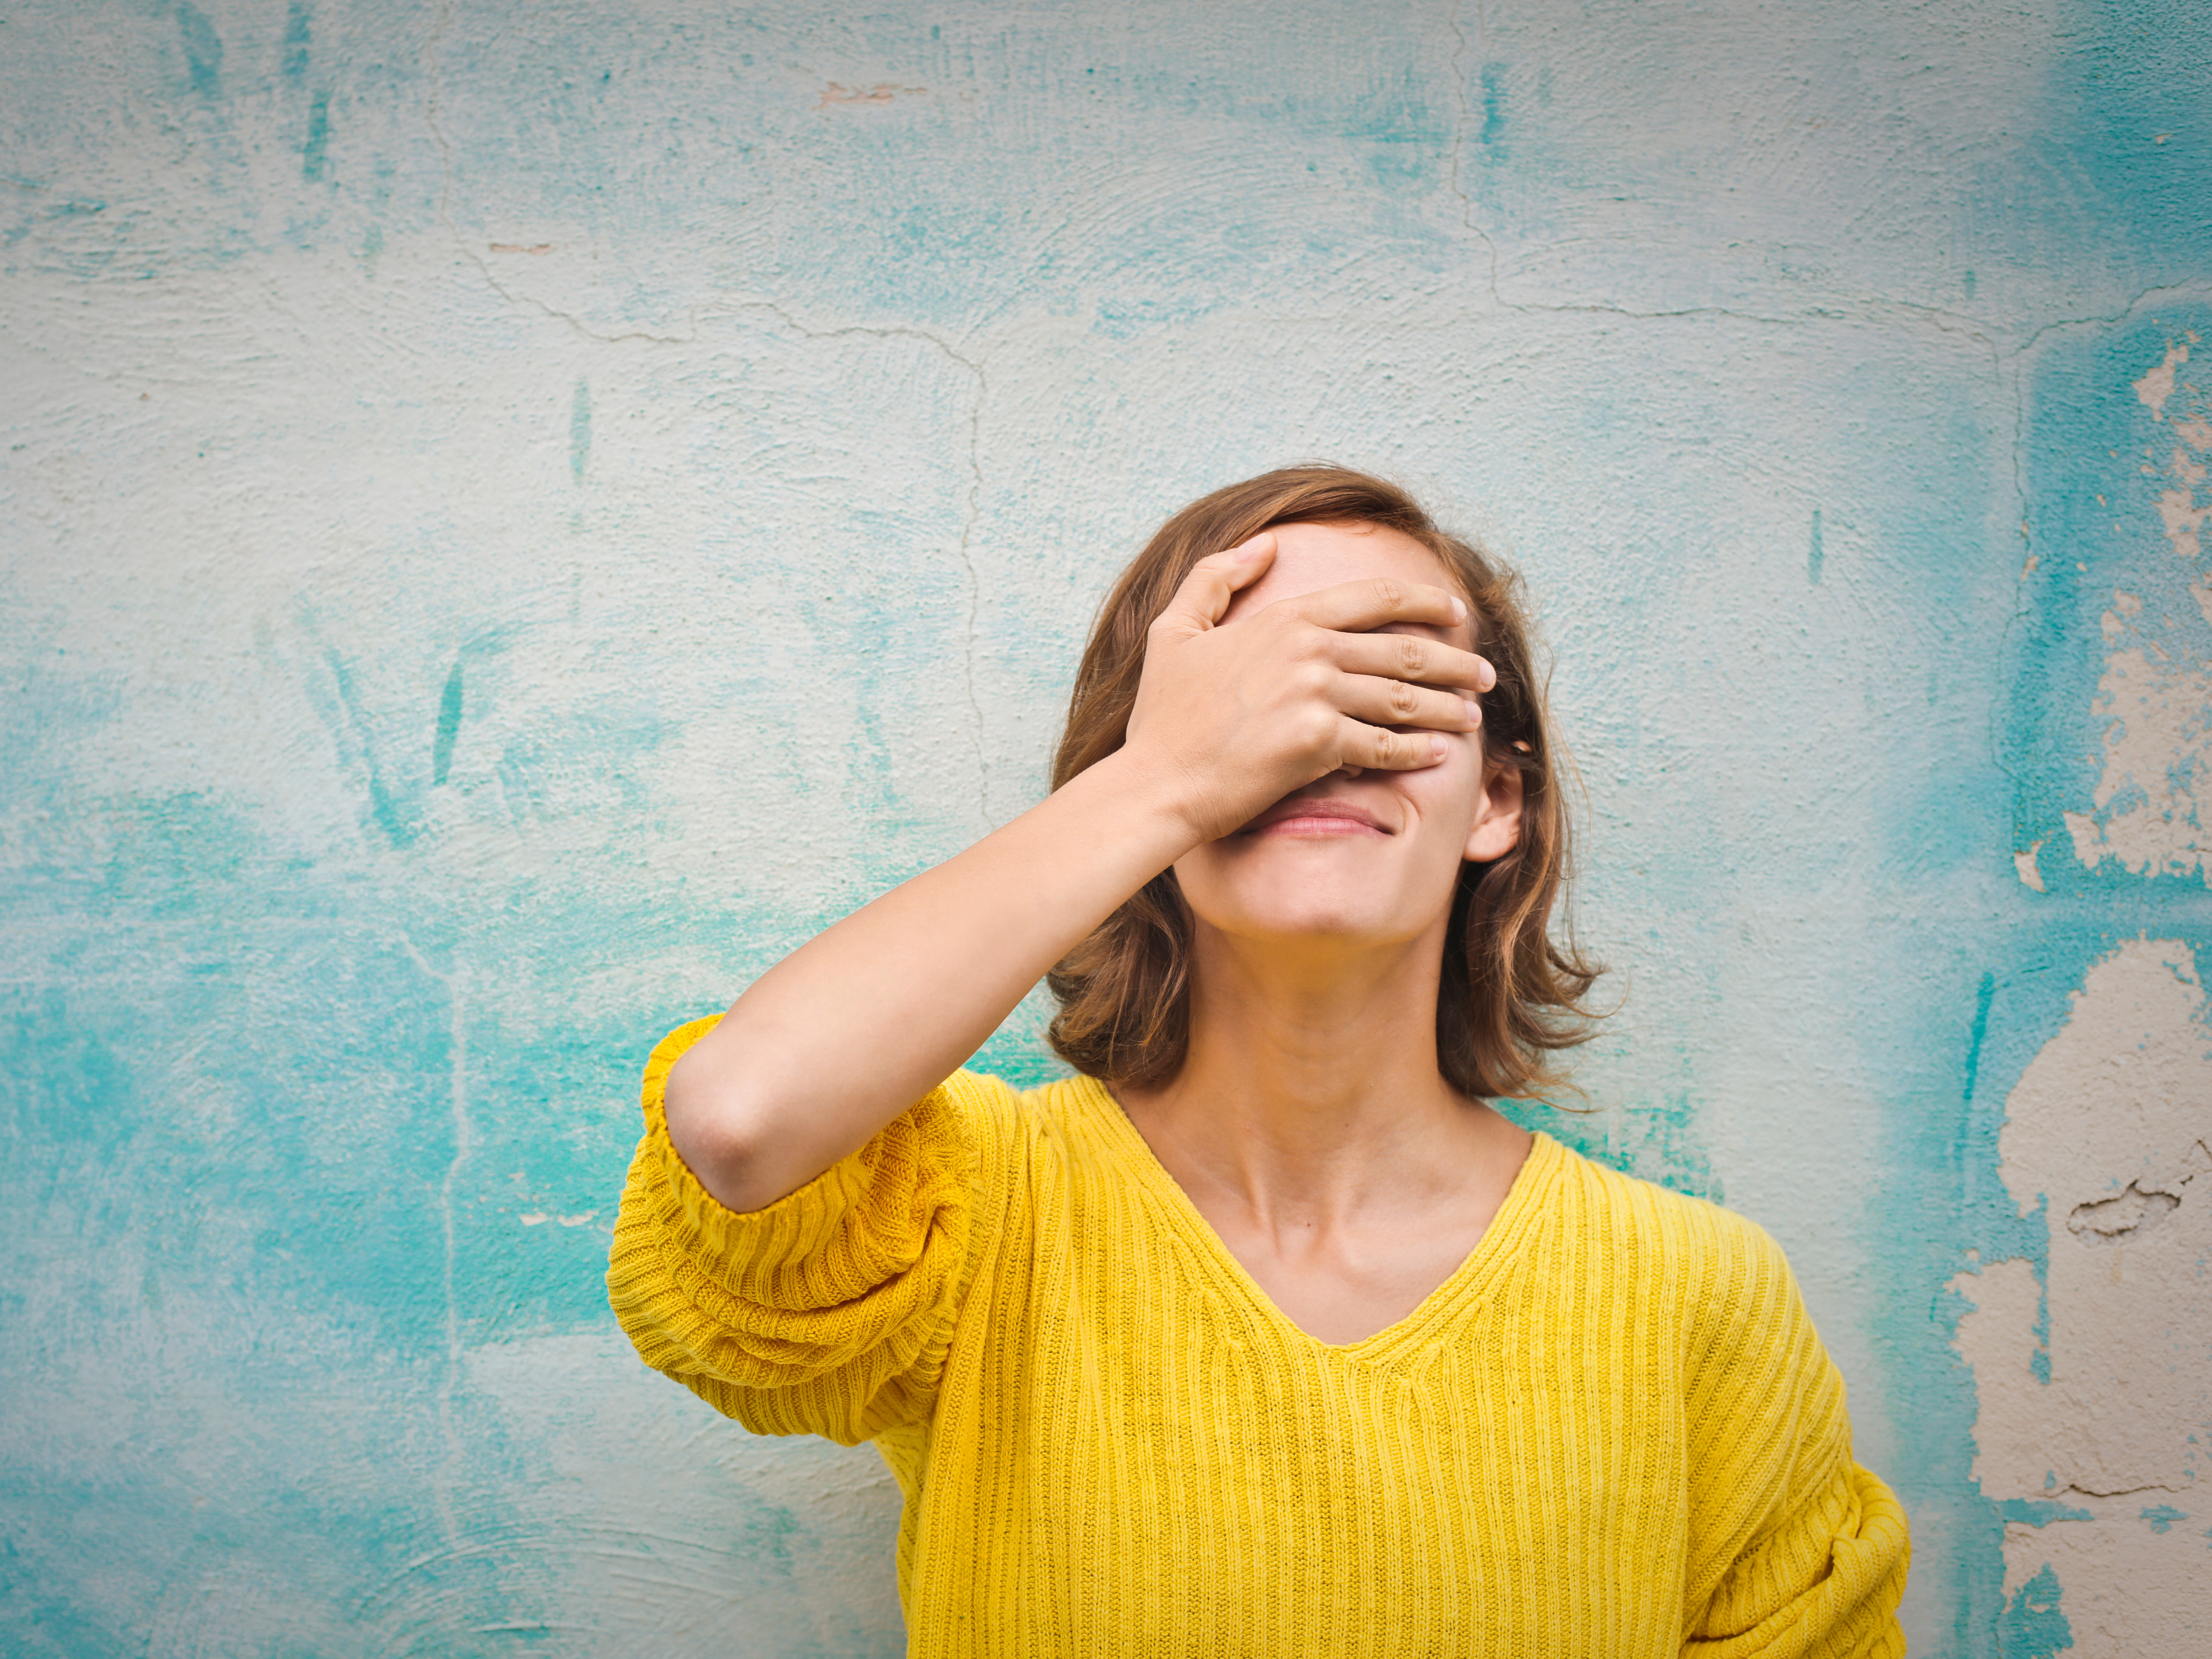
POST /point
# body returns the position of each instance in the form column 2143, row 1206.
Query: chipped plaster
column 2094, row 1396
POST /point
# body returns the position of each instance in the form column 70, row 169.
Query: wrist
column 1141, row 805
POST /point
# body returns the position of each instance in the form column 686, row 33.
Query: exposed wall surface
column 514, row 516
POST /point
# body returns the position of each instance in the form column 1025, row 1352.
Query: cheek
column 1443, row 797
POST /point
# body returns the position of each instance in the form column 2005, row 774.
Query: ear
column 1497, row 829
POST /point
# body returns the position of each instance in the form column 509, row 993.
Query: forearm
column 854, row 1026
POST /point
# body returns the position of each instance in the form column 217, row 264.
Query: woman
column 1263, row 1335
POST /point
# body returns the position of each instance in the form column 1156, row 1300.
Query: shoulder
column 1657, row 1221
column 1066, row 1111
column 1720, row 1274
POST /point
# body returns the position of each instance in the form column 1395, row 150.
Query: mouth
column 1327, row 815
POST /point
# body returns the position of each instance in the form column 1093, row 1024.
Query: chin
column 1304, row 903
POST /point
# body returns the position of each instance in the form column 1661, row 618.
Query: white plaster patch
column 2009, row 1457
column 2156, row 386
column 2155, row 699
column 2109, row 1133
column 2157, row 712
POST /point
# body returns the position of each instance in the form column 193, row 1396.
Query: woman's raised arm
column 865, row 1019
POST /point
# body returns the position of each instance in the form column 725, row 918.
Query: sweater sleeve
column 830, row 1312
column 1795, row 1550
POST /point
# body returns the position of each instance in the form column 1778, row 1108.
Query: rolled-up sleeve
column 830, row 1312
column 1798, row 1550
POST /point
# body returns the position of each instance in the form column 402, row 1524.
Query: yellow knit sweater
column 1612, row 1433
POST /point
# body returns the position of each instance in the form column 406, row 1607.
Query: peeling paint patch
column 882, row 92
column 2158, row 721
column 2033, row 1628
column 2157, row 384
column 2152, row 705
column 2110, row 1128
column 2036, row 1512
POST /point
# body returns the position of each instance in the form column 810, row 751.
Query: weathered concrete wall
column 513, row 517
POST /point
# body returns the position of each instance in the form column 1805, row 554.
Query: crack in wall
column 2137, row 1207
column 690, row 319
column 2117, row 1220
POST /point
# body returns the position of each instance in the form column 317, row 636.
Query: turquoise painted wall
column 513, row 518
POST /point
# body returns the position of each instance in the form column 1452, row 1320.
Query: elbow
column 717, row 1131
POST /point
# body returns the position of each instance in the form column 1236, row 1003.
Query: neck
column 1310, row 1087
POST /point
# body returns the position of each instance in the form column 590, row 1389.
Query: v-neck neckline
column 1493, row 1253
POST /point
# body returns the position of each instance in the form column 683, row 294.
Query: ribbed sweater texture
column 1611, row 1433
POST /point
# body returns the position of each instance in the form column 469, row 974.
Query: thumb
column 1203, row 599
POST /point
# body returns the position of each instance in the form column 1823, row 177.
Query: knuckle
column 1412, row 653
column 1388, row 748
column 1404, row 700
column 1390, row 592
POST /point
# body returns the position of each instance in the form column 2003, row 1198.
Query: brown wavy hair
column 1512, row 994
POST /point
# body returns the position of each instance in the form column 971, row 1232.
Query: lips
column 1318, row 815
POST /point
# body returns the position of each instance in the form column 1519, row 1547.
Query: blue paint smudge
column 2033, row 1626
column 312, row 153
column 2143, row 137
column 297, row 40
column 383, row 805
column 2039, row 1363
column 2162, row 1517
column 1655, row 1142
column 1983, row 997
column 2032, row 1512
column 579, row 431
column 202, row 50
column 449, row 726
column 1812, row 573
column 1493, row 102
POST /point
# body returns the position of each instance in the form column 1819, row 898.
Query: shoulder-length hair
column 1511, row 995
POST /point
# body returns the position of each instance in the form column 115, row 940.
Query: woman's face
column 1361, row 856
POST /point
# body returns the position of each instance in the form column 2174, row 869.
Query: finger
column 1362, row 744
column 1395, row 702
column 1412, row 657
column 1203, row 596
column 1376, row 602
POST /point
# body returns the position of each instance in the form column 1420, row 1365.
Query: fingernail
column 1459, row 608
column 1253, row 549
column 1474, row 714
column 1437, row 749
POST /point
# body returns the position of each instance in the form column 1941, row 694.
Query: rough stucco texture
column 514, row 516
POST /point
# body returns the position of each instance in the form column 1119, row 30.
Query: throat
column 1344, row 1236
